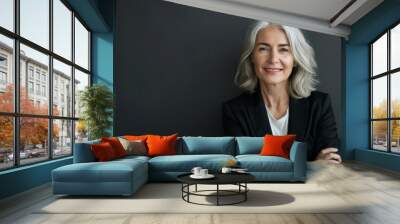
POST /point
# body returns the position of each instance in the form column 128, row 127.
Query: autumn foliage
column 380, row 127
column 33, row 131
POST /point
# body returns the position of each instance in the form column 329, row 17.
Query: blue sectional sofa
column 125, row 176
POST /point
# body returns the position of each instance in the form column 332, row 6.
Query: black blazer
column 311, row 119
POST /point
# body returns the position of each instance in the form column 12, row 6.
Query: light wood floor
column 352, row 181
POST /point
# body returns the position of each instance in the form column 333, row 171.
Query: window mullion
column 50, row 79
column 16, row 84
column 389, row 106
column 73, row 82
column 371, row 89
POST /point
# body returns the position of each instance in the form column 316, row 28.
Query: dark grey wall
column 328, row 54
column 174, row 66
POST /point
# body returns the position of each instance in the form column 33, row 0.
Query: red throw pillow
column 277, row 145
column 116, row 145
column 103, row 151
column 161, row 145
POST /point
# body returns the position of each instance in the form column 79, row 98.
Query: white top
column 278, row 126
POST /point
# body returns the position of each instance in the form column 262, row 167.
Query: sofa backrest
column 206, row 145
column 249, row 145
column 83, row 152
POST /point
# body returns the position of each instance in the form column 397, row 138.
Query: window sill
column 17, row 169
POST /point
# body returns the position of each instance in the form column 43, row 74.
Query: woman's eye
column 284, row 49
column 262, row 49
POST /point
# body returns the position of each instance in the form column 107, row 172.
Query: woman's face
column 272, row 56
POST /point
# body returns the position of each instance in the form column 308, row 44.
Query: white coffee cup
column 196, row 170
column 226, row 170
column 203, row 172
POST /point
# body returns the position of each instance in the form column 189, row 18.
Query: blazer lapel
column 298, row 114
column 261, row 122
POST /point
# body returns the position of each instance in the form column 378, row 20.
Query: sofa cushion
column 185, row 163
column 112, row 171
column 249, row 145
column 133, row 157
column 207, row 145
column 257, row 163
column 83, row 152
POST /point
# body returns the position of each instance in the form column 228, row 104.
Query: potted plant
column 96, row 102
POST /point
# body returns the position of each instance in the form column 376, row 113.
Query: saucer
column 208, row 176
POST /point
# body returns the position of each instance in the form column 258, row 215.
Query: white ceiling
column 315, row 15
column 320, row 9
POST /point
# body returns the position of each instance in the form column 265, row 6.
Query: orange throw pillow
column 161, row 145
column 277, row 145
column 103, row 151
column 116, row 145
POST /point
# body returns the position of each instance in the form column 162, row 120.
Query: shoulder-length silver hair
column 303, row 79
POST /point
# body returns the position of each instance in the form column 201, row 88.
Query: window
column 7, row 14
column 43, row 90
column 30, row 72
column 3, row 72
column 38, row 89
column 3, row 78
column 30, row 87
column 38, row 74
column 81, row 45
column 6, row 86
column 43, row 77
column 3, row 61
column 384, row 91
column 55, row 126
column 34, row 21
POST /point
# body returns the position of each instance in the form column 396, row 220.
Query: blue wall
column 356, row 119
column 99, row 16
column 24, row 178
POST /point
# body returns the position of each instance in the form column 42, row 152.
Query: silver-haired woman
column 277, row 70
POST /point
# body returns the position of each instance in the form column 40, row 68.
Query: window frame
column 388, row 74
column 16, row 114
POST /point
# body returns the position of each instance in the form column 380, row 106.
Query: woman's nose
column 274, row 57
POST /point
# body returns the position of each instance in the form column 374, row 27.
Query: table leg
column 217, row 194
column 245, row 193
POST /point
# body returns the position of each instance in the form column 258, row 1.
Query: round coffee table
column 238, row 179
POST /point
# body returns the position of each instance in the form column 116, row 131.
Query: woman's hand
column 329, row 155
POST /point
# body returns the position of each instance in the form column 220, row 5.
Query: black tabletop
column 220, row 178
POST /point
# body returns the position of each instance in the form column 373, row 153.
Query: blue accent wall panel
column 357, row 100
column 24, row 178
column 102, row 58
column 376, row 158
